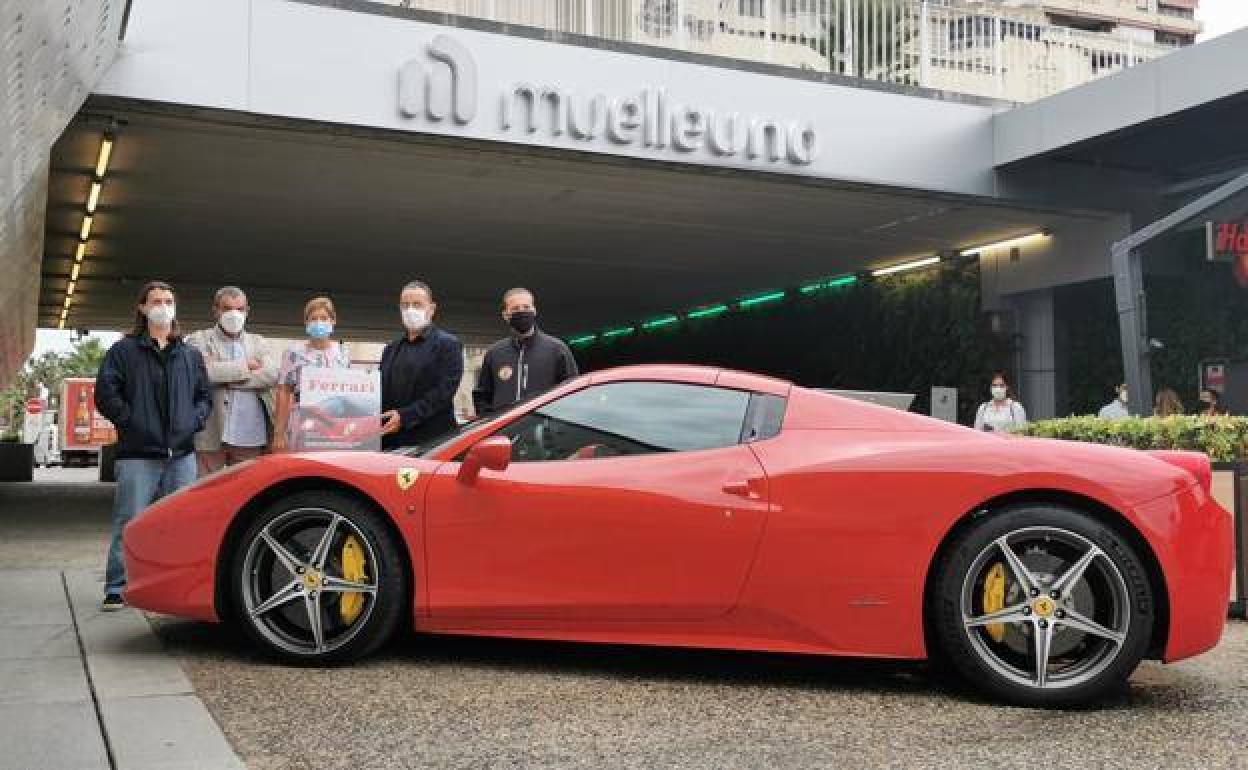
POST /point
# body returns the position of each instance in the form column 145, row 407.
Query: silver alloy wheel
column 288, row 586
column 1066, row 612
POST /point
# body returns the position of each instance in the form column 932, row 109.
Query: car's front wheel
column 318, row 578
column 1042, row 606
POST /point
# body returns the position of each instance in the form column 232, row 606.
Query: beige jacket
column 226, row 375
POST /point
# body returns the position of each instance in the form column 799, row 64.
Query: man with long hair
column 155, row 390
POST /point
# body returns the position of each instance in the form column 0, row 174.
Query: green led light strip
column 831, row 283
column 710, row 311
column 659, row 323
column 707, row 312
column 761, row 299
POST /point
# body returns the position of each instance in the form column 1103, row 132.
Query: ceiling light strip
column 1003, row 244
column 904, row 266
column 88, row 220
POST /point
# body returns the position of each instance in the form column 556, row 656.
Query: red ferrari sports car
column 690, row 506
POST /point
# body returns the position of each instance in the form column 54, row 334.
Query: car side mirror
column 493, row 454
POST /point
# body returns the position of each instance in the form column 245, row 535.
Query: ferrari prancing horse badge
column 406, row 477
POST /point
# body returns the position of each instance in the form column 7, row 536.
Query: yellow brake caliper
column 994, row 599
column 353, row 569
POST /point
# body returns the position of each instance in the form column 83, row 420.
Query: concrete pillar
column 1041, row 384
column 21, row 252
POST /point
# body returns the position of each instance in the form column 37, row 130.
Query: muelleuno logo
column 421, row 92
column 650, row 117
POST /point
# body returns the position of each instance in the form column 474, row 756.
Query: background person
column 1000, row 412
column 1211, row 404
column 319, row 349
column 1116, row 409
column 420, row 373
column 155, row 391
column 242, row 373
column 524, row 364
column 1167, row 403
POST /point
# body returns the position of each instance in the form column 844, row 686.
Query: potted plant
column 17, row 459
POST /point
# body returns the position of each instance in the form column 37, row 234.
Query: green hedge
column 1224, row 439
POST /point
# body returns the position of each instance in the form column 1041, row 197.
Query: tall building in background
column 1018, row 50
column 1169, row 22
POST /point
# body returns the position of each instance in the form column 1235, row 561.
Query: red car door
column 595, row 520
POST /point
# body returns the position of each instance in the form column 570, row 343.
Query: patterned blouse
column 302, row 354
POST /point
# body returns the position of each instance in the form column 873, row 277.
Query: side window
column 630, row 418
column 763, row 418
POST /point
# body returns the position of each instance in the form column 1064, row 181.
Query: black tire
column 277, row 631
column 1042, row 537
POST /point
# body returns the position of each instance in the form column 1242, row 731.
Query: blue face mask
column 319, row 330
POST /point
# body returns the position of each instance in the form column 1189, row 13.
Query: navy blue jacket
column 419, row 379
column 127, row 392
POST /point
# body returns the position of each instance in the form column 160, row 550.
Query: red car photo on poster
column 700, row 507
column 336, row 423
column 338, row 409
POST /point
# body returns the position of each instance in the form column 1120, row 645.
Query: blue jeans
column 141, row 482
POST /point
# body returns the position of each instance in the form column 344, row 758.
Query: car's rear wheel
column 1042, row 606
column 318, row 578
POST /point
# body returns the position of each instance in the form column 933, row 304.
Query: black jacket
column 157, row 402
column 423, row 393
column 518, row 368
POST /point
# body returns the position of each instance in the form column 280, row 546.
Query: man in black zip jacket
column 524, row 364
column 155, row 390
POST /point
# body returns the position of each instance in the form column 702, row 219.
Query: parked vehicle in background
column 84, row 431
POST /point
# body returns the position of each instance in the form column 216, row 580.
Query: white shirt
column 244, row 424
column 1114, row 410
column 1003, row 416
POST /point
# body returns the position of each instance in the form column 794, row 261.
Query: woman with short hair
column 319, row 349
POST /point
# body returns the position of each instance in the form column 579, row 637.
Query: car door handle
column 741, row 488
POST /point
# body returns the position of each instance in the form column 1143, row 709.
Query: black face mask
column 522, row 321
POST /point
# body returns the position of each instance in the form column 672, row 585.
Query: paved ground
column 61, row 520
column 497, row 703
column 494, row 703
column 80, row 688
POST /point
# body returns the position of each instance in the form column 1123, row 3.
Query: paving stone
column 51, row 641
column 166, row 732
column 64, row 736
column 119, row 676
column 33, row 598
column 43, row 680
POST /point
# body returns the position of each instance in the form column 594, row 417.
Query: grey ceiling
column 287, row 211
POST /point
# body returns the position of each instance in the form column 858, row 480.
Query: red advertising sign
column 1213, row 376
column 81, row 426
column 1228, row 242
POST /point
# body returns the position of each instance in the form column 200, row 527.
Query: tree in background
column 50, row 370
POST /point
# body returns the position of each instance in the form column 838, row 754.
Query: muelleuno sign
column 443, row 85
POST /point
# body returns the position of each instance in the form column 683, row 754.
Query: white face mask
column 414, row 318
column 1122, row 396
column 998, row 392
column 232, row 321
column 161, row 315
